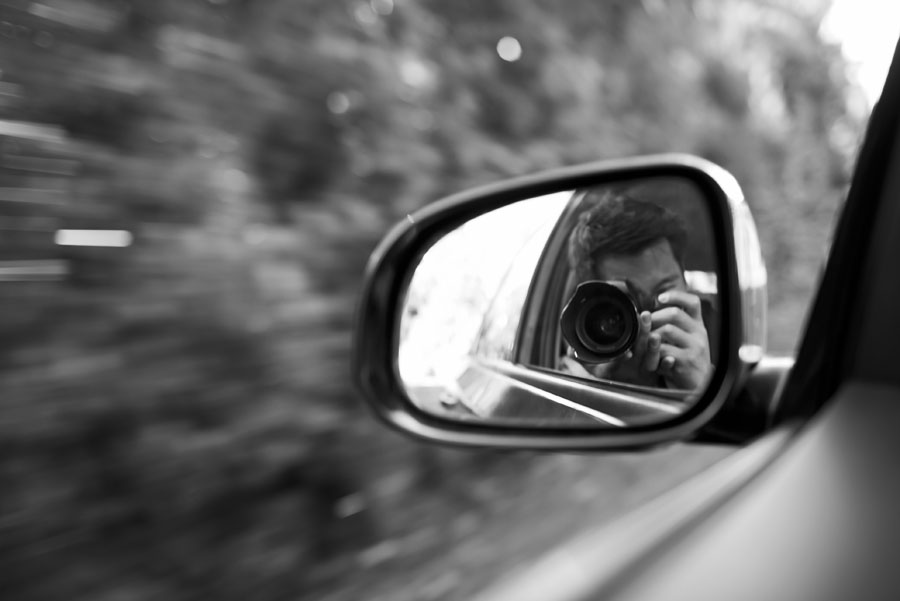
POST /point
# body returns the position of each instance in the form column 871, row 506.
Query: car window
column 463, row 295
column 189, row 192
column 497, row 337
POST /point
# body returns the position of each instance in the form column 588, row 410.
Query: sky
column 867, row 31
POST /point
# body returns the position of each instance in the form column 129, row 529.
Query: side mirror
column 608, row 305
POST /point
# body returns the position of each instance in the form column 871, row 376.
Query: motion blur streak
column 33, row 131
column 26, row 271
column 114, row 238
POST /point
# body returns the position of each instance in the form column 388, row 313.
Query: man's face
column 647, row 273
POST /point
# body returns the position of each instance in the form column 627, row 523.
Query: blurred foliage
column 177, row 417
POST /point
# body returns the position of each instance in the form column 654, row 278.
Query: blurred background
column 189, row 190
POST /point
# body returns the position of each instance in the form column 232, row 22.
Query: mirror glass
column 595, row 307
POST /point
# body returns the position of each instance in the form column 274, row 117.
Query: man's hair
column 618, row 224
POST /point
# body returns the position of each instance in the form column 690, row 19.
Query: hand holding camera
column 683, row 346
column 666, row 347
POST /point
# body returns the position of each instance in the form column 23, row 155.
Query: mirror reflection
column 585, row 308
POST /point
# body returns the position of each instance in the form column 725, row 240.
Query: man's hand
column 683, row 351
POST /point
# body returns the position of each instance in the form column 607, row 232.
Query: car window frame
column 823, row 358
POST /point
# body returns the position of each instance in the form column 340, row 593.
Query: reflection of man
column 640, row 244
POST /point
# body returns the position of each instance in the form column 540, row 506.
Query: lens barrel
column 600, row 322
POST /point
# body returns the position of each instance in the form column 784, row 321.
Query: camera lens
column 604, row 324
column 600, row 321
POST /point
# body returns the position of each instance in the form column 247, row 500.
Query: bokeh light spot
column 382, row 7
column 415, row 73
column 365, row 15
column 338, row 103
column 509, row 49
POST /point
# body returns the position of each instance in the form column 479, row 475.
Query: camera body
column 601, row 321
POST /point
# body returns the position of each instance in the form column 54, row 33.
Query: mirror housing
column 742, row 288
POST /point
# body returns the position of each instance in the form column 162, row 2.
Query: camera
column 600, row 322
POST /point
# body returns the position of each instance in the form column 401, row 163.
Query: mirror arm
column 748, row 414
